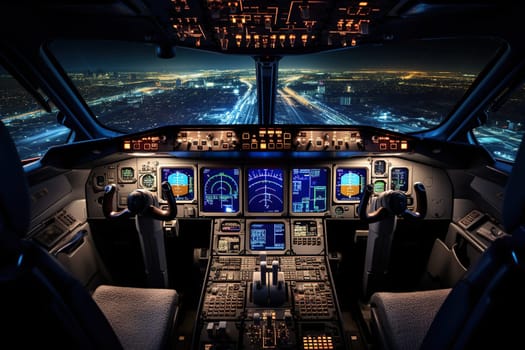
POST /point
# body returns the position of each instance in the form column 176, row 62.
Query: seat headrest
column 15, row 206
column 514, row 199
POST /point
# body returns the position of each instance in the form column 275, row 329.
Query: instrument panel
column 254, row 138
column 299, row 188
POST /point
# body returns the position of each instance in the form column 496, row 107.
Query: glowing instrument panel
column 283, row 139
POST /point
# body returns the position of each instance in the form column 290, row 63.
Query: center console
column 268, row 286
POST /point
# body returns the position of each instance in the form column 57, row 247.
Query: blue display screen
column 265, row 190
column 220, row 190
column 399, row 179
column 350, row 183
column 309, row 190
column 181, row 181
column 267, row 236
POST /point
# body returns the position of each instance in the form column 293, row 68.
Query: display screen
column 267, row 235
column 220, row 190
column 265, row 190
column 379, row 167
column 127, row 174
column 304, row 229
column 309, row 190
column 181, row 180
column 379, row 186
column 399, row 179
column 350, row 184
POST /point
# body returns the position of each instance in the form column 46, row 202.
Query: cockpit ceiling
column 254, row 24
column 254, row 27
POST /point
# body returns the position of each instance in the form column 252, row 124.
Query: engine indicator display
column 267, row 235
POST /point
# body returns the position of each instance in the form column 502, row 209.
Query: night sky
column 467, row 56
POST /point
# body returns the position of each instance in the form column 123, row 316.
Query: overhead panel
column 258, row 26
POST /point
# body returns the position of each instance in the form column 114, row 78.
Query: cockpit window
column 130, row 89
column 404, row 87
column 503, row 132
column 32, row 128
column 400, row 87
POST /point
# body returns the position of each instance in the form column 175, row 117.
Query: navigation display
column 265, row 190
column 220, row 190
column 182, row 181
column 267, row 235
column 350, row 184
column 399, row 179
column 309, row 190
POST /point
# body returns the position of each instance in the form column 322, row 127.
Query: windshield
column 32, row 128
column 406, row 88
column 129, row 89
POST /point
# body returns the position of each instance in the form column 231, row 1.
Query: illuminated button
column 127, row 145
column 263, row 146
column 404, row 145
column 229, row 134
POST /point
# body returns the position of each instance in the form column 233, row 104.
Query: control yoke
column 393, row 203
column 148, row 216
column 141, row 202
column 381, row 214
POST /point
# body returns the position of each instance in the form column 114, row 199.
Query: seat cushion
column 402, row 319
column 142, row 318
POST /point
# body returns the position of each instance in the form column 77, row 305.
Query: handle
column 72, row 244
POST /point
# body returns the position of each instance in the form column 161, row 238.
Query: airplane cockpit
column 249, row 174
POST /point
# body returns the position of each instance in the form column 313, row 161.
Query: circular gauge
column 147, row 181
